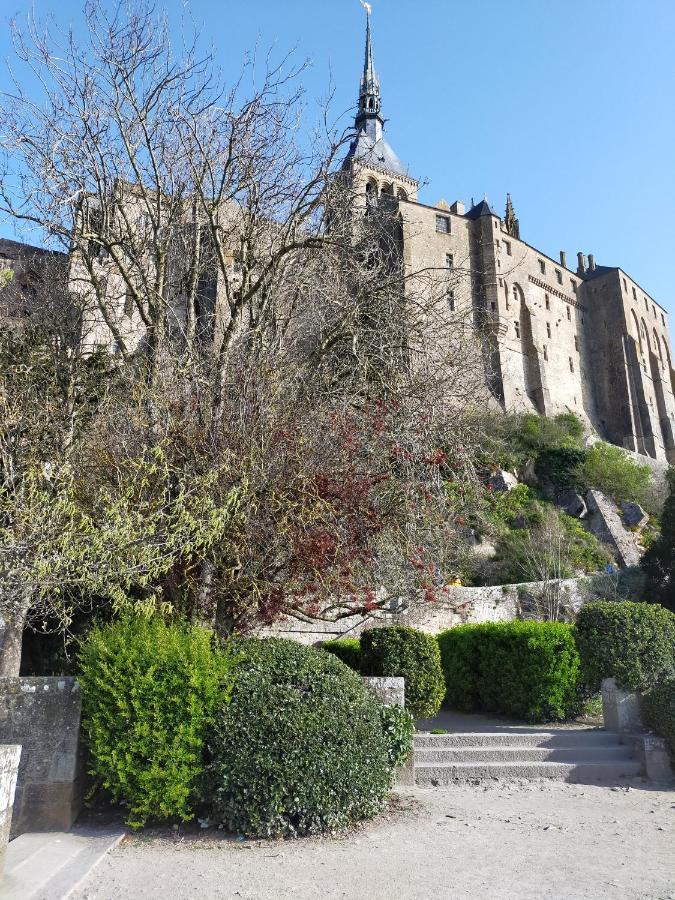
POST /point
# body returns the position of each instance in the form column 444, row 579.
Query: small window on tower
column 548, row 329
column 451, row 300
column 569, row 314
column 574, row 286
column 507, row 245
column 571, row 362
column 443, row 224
column 548, row 301
column 558, row 275
column 542, row 266
column 449, row 261
column 517, row 327
column 493, row 306
column 576, row 343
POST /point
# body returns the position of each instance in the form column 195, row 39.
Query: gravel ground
column 494, row 840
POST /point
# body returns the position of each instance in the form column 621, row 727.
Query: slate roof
column 370, row 148
column 479, row 210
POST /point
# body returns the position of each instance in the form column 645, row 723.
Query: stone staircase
column 577, row 755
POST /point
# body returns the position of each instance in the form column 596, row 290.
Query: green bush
column 658, row 563
column 562, row 466
column 401, row 652
column 149, row 691
column 525, row 670
column 399, row 727
column 346, row 649
column 301, row 748
column 611, row 471
column 658, row 709
column 631, row 642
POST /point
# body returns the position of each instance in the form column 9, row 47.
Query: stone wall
column 43, row 716
column 462, row 605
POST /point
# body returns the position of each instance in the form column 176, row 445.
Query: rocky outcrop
column 572, row 503
column 605, row 523
column 502, row 482
column 634, row 515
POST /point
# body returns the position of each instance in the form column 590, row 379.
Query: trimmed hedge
column 346, row 649
column 631, row 642
column 402, row 652
column 524, row 670
column 658, row 709
column 303, row 746
column 149, row 692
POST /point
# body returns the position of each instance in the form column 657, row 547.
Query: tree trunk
column 11, row 635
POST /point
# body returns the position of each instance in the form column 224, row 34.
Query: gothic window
column 518, row 295
column 402, row 194
column 388, row 189
column 443, row 224
column 371, row 194
column 657, row 344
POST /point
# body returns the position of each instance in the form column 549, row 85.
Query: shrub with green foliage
column 402, row 652
column 608, row 469
column 346, row 649
column 398, row 726
column 525, row 670
column 149, row 692
column 303, row 746
column 631, row 642
column 658, row 563
column 658, row 710
column 562, row 466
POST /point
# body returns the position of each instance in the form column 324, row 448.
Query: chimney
column 563, row 259
column 458, row 208
column 591, row 262
column 581, row 268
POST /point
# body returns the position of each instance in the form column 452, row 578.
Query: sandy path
column 522, row 840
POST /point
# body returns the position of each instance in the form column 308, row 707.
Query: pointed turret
column 511, row 223
column 370, row 149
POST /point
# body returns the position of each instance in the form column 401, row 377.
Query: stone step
column 439, row 775
column 573, row 754
column 50, row 865
column 572, row 738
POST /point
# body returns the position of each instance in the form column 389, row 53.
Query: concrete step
column 571, row 738
column 50, row 865
column 573, row 754
column 439, row 774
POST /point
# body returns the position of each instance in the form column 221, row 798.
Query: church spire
column 370, row 100
column 510, row 221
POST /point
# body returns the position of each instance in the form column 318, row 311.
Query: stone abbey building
column 587, row 339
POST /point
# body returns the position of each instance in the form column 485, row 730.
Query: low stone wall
column 9, row 767
column 389, row 691
column 43, row 716
column 460, row 605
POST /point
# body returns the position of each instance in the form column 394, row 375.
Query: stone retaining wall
column 43, row 716
column 461, row 605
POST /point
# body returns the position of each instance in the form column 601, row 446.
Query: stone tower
column 374, row 167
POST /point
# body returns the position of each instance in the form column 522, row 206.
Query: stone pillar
column 620, row 710
column 43, row 716
column 9, row 768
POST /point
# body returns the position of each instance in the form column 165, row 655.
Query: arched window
column 388, row 189
column 646, row 336
column 518, row 294
column 657, row 344
column 402, row 194
column 638, row 336
column 371, row 194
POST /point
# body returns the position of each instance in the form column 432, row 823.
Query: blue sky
column 570, row 105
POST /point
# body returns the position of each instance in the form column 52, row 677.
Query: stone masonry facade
column 585, row 339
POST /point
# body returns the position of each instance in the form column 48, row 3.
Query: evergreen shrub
column 346, row 649
column 403, row 652
column 525, row 670
column 658, row 710
column 302, row 747
column 631, row 642
column 149, row 691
